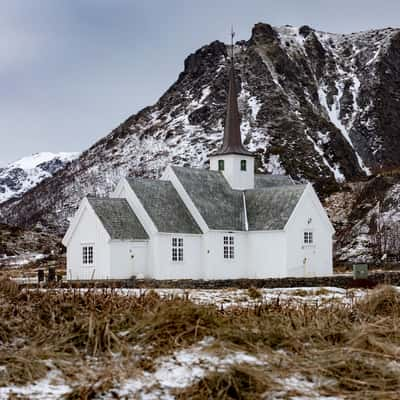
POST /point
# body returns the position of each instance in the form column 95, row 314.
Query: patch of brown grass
column 354, row 346
column 355, row 371
column 300, row 292
column 90, row 391
column 254, row 293
column 383, row 301
column 22, row 366
column 315, row 292
column 175, row 323
column 237, row 382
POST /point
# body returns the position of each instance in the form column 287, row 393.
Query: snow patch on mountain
column 35, row 160
column 334, row 116
column 336, row 169
column 22, row 175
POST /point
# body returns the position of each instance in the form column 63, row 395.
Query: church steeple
column 233, row 160
column 232, row 141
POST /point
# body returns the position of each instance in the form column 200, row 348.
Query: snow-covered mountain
column 22, row 175
column 315, row 105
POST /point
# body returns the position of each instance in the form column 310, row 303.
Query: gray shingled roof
column 118, row 218
column 267, row 181
column 220, row 206
column 164, row 206
column 270, row 209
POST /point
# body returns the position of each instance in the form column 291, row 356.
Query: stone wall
column 342, row 281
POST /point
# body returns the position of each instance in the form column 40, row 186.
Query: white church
column 223, row 223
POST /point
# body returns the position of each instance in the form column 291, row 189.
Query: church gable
column 271, row 208
column 268, row 207
column 164, row 206
column 220, row 206
column 118, row 219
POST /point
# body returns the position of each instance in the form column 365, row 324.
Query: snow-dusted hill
column 24, row 174
column 315, row 105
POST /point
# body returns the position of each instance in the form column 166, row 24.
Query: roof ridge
column 263, row 189
column 156, row 181
column 197, row 169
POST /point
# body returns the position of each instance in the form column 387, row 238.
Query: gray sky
column 72, row 70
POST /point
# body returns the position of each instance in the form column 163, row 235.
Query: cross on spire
column 232, row 36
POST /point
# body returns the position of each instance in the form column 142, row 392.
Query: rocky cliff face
column 315, row 105
column 366, row 216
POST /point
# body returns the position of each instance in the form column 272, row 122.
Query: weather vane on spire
column 232, row 36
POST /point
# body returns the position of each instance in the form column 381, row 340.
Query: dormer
column 232, row 159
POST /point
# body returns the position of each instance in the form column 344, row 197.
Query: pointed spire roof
column 232, row 142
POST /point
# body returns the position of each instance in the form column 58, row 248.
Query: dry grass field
column 109, row 344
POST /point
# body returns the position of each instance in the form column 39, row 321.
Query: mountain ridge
column 314, row 105
column 20, row 176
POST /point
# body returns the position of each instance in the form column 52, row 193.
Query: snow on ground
column 181, row 370
column 186, row 366
column 231, row 297
column 298, row 383
column 242, row 297
column 52, row 387
column 20, row 260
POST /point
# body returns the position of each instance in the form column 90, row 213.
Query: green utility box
column 360, row 271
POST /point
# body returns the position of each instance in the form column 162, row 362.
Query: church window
column 87, row 255
column 243, row 165
column 177, row 249
column 221, row 165
column 308, row 237
column 229, row 247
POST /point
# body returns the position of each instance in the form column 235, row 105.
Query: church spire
column 232, row 142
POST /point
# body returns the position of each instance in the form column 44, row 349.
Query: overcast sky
column 72, row 70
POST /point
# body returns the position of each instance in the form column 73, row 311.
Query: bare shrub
column 384, row 301
column 237, row 382
column 254, row 293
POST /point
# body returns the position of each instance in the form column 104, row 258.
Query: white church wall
column 165, row 268
column 314, row 259
column 266, row 254
column 128, row 258
column 123, row 190
column 152, row 256
column 238, row 179
column 89, row 232
column 218, row 267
